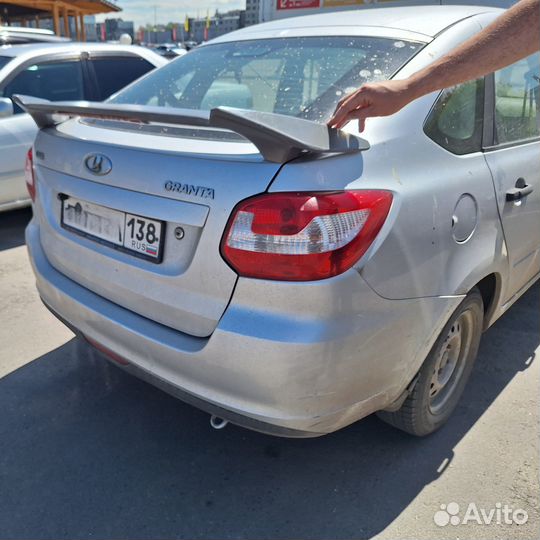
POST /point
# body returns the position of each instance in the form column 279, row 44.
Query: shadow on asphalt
column 12, row 225
column 89, row 451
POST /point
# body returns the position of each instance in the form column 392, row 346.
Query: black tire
column 432, row 400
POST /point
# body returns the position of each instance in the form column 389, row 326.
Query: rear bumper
column 344, row 353
column 210, row 408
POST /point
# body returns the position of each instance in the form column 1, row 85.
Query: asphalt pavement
column 87, row 451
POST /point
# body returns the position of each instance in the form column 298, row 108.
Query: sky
column 141, row 12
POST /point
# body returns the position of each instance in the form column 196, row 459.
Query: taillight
column 303, row 236
column 29, row 175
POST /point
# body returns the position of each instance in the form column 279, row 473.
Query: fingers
column 372, row 99
column 338, row 117
column 344, row 107
column 361, row 124
column 347, row 107
column 359, row 114
column 342, row 117
column 343, row 100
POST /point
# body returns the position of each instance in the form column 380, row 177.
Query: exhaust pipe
column 218, row 423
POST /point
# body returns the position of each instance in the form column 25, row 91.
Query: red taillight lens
column 29, row 175
column 303, row 236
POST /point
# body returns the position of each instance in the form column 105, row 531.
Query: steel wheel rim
column 451, row 361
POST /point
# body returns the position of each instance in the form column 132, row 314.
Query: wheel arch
column 490, row 289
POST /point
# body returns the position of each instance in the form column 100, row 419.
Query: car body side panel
column 415, row 254
column 423, row 255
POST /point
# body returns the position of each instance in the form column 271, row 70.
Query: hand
column 373, row 99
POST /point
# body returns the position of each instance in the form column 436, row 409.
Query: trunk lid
column 183, row 182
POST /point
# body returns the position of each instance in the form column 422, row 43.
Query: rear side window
column 113, row 73
column 456, row 120
column 55, row 81
column 4, row 60
column 517, row 101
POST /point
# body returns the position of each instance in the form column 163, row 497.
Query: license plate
column 134, row 234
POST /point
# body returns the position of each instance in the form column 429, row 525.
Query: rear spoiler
column 278, row 138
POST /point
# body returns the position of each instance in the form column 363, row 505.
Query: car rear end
column 167, row 247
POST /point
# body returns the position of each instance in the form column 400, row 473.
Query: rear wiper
column 278, row 138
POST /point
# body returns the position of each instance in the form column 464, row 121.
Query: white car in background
column 56, row 71
column 170, row 50
column 14, row 35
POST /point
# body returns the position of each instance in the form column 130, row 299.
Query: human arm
column 512, row 36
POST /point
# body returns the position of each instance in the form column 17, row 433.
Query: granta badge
column 190, row 189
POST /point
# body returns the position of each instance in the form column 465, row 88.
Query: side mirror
column 6, row 107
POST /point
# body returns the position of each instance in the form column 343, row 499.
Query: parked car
column 55, row 71
column 277, row 274
column 170, row 50
column 14, row 35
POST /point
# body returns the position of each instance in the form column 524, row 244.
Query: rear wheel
column 444, row 374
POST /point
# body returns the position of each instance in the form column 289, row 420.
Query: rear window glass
column 303, row 77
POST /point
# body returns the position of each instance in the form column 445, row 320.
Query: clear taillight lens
column 303, row 236
column 29, row 175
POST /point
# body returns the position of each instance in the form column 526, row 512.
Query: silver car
column 206, row 231
column 55, row 71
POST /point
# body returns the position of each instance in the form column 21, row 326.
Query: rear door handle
column 519, row 192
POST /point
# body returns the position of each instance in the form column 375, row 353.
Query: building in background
column 194, row 29
column 253, row 12
column 114, row 28
column 90, row 27
column 211, row 27
column 101, row 35
column 158, row 34
column 65, row 17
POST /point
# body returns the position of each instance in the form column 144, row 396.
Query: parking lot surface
column 87, row 451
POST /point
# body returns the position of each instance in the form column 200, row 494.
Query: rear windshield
column 303, row 77
column 4, row 60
